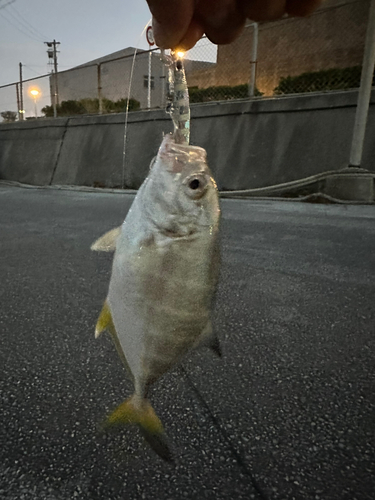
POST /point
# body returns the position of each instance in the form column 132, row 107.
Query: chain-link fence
column 321, row 53
column 24, row 101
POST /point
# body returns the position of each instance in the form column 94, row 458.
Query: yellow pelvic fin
column 137, row 410
column 105, row 320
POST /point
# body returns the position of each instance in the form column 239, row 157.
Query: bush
column 91, row 106
column 318, row 81
column 120, row 105
column 220, row 93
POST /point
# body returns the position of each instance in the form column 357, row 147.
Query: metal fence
column 321, row 53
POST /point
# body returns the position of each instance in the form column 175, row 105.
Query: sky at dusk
column 87, row 29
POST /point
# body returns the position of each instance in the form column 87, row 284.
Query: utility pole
column 52, row 55
column 100, row 89
column 21, row 110
column 18, row 100
column 364, row 92
column 253, row 62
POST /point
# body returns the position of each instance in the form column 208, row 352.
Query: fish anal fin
column 105, row 322
column 137, row 410
column 107, row 242
column 120, row 352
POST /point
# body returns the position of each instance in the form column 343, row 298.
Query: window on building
column 145, row 82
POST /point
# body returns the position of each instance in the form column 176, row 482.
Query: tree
column 9, row 116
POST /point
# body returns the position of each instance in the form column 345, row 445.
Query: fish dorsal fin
column 107, row 242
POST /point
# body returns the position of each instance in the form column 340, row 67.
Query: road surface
column 287, row 413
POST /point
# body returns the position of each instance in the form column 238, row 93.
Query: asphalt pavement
column 287, row 413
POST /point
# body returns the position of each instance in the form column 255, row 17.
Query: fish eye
column 194, row 184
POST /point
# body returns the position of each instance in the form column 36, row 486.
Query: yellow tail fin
column 139, row 411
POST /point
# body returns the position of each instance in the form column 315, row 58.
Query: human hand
column 181, row 23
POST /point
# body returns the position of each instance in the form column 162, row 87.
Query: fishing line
column 238, row 455
column 127, row 105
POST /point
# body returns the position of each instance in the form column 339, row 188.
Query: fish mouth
column 170, row 233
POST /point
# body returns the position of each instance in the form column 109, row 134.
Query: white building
column 112, row 74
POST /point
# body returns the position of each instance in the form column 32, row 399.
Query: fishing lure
column 178, row 105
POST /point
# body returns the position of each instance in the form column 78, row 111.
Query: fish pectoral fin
column 107, row 242
column 208, row 338
column 137, row 410
column 213, row 343
column 104, row 321
column 215, row 346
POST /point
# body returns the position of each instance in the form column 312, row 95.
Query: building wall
column 78, row 83
column 332, row 37
column 82, row 82
column 203, row 78
column 200, row 73
column 116, row 77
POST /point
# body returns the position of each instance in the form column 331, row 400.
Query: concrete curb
column 362, row 195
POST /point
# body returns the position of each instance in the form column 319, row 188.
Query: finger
column 170, row 20
column 194, row 33
column 262, row 10
column 302, row 7
column 221, row 19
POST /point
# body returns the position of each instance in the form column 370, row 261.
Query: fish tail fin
column 137, row 410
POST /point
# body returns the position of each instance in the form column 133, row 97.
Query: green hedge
column 317, row 81
column 220, row 93
column 91, row 106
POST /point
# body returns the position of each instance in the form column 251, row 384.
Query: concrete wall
column 29, row 150
column 249, row 143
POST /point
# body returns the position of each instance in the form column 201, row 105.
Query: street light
column 35, row 94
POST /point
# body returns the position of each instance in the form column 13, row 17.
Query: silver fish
column 164, row 276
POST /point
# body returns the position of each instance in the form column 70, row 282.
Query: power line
column 33, row 70
column 6, row 5
column 26, row 23
column 23, row 25
column 19, row 29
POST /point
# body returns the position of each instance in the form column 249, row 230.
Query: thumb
column 170, row 20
